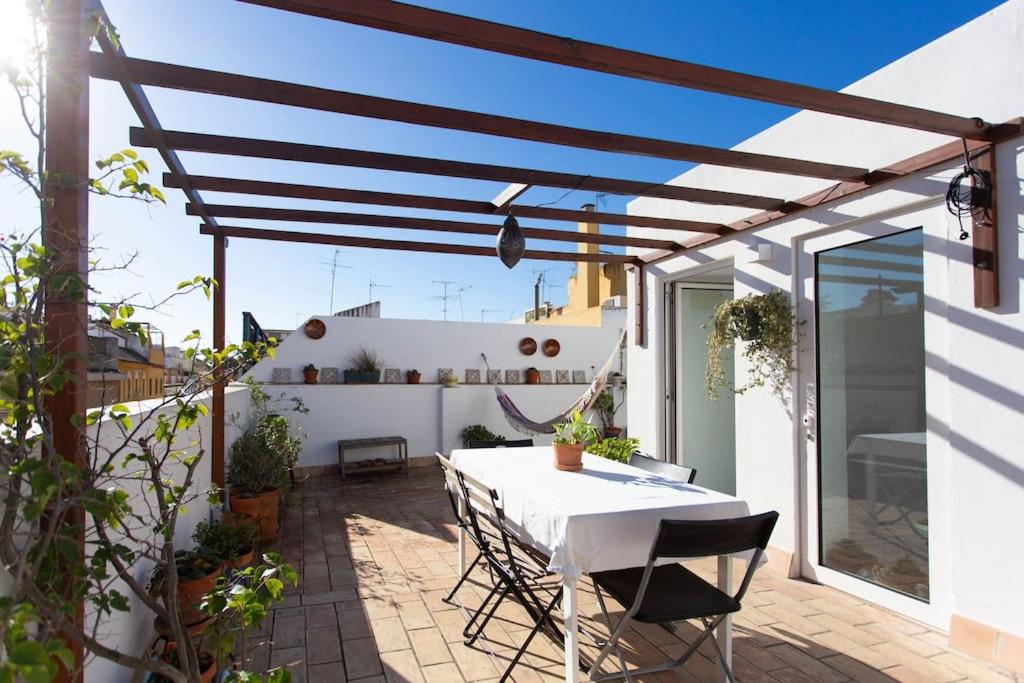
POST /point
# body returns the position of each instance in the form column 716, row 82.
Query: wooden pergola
column 66, row 232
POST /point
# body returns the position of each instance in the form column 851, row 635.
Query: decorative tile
column 561, row 376
column 494, row 376
column 512, row 377
column 330, row 376
column 545, row 377
column 579, row 376
column 472, row 376
column 442, row 373
column 281, row 375
column 392, row 376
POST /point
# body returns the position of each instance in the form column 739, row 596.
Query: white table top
column 604, row 517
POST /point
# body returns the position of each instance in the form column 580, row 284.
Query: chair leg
column 546, row 614
column 470, row 639
column 608, row 620
column 721, row 655
column 613, row 638
column 481, row 608
column 469, row 570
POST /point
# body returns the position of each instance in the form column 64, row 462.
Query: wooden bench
column 399, row 463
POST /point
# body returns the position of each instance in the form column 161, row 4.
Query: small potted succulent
column 412, row 376
column 309, row 373
column 532, row 376
column 365, row 369
column 571, row 438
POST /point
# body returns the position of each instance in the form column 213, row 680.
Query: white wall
column 428, row 415
column 132, row 631
column 976, row 405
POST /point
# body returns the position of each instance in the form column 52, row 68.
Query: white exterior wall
column 975, row 356
column 429, row 415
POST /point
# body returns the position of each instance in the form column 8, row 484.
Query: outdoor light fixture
column 511, row 242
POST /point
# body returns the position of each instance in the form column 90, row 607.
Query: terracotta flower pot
column 242, row 561
column 190, row 595
column 310, row 376
column 262, row 508
column 533, row 376
column 162, row 628
column 210, row 672
column 413, row 377
column 568, row 457
column 612, row 432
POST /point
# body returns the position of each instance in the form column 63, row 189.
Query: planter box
column 356, row 377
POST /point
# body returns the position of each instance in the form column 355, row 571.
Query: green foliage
column 226, row 541
column 617, row 449
column 606, row 408
column 576, row 430
column 767, row 322
column 479, row 433
column 261, row 457
column 309, row 368
column 365, row 360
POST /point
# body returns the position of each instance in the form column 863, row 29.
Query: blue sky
column 823, row 44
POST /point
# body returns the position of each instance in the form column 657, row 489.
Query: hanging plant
column 766, row 325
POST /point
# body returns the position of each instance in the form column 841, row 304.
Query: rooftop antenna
column 485, row 311
column 333, row 263
column 444, row 297
column 536, row 291
column 374, row 285
column 462, row 312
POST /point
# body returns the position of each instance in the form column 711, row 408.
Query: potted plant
column 412, row 376
column 234, row 543
column 309, row 373
column 170, row 655
column 616, row 379
column 532, row 376
column 479, row 433
column 365, row 369
column 258, row 468
column 615, row 449
column 571, row 437
column 197, row 571
column 766, row 325
column 606, row 408
column 449, row 379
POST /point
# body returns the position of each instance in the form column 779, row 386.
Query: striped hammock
column 524, row 425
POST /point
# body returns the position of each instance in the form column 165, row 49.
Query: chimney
column 588, row 273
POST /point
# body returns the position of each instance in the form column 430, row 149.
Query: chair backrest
column 453, row 487
column 665, row 469
column 517, row 443
column 701, row 538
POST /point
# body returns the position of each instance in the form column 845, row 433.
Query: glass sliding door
column 872, row 457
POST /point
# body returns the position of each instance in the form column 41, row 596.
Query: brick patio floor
column 377, row 555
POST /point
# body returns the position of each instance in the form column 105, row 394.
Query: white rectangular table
column 602, row 518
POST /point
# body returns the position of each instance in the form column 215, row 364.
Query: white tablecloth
column 604, row 517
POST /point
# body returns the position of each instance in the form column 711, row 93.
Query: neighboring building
column 593, row 288
column 370, row 310
column 895, row 463
column 122, row 368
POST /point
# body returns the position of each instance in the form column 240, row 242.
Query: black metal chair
column 456, row 496
column 665, row 469
column 517, row 443
column 670, row 592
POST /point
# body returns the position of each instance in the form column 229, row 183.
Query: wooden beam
column 984, row 237
column 841, row 191
column 65, row 235
column 508, row 195
column 403, row 245
column 217, row 444
column 639, row 306
column 415, row 201
column 511, row 40
column 318, row 154
column 191, row 79
column 413, row 223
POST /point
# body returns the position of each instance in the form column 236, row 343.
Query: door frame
column 931, row 217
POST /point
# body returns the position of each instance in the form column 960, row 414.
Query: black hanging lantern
column 511, row 242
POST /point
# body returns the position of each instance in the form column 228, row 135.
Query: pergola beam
column 366, row 220
column 511, row 40
column 191, row 79
column 338, row 156
column 414, row 201
column 404, row 245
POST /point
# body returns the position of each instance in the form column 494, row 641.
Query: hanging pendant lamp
column 511, row 242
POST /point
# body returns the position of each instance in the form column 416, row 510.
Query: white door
column 874, row 399
column 705, row 429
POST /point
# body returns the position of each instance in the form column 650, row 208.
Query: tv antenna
column 333, row 263
column 445, row 296
column 462, row 312
column 485, row 311
column 373, row 286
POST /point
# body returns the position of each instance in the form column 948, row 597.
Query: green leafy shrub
column 226, row 541
column 479, row 433
column 261, row 457
column 575, row 430
column 615, row 449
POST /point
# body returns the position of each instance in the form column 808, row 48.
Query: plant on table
column 767, row 326
column 479, row 433
column 571, row 438
column 617, row 449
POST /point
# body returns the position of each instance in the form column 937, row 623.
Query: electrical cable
column 969, row 192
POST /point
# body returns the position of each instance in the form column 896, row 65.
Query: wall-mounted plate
column 551, row 348
column 527, row 346
column 315, row 329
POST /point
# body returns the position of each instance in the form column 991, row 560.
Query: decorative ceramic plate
column 512, row 377
column 281, row 375
column 561, row 376
column 551, row 348
column 330, row 376
column 579, row 377
column 545, row 377
column 527, row 346
column 472, row 376
column 494, row 376
column 315, row 329
column 392, row 376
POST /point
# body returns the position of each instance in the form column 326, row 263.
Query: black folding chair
column 665, row 469
column 670, row 592
column 517, row 443
column 456, row 495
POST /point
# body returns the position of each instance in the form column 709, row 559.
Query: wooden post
column 984, row 238
column 639, row 306
column 220, row 243
column 65, row 234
